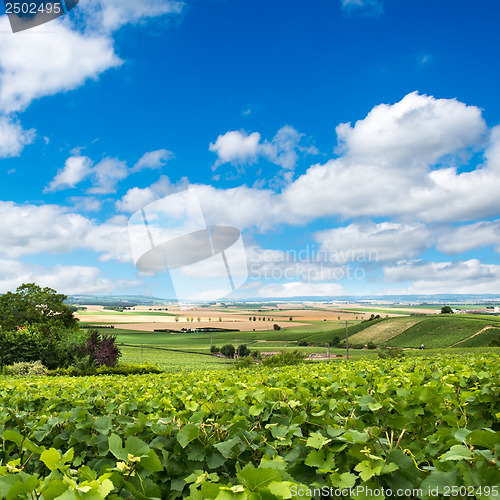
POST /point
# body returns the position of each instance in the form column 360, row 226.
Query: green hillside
column 441, row 331
column 384, row 330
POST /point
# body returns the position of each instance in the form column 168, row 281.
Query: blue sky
column 354, row 143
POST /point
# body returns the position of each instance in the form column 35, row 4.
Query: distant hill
column 115, row 300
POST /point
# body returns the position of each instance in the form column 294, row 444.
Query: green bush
column 82, row 370
column 285, row 359
column 276, row 326
column 245, row 362
column 228, row 350
column 371, row 345
column 390, row 352
column 243, row 350
column 26, row 369
column 54, row 346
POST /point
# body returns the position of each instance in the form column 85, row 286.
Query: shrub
column 82, row 370
column 27, row 369
column 214, row 349
column 371, row 345
column 228, row 350
column 276, row 327
column 285, row 358
column 101, row 349
column 243, row 350
column 446, row 310
column 53, row 345
column 335, row 342
column 245, row 362
column 390, row 352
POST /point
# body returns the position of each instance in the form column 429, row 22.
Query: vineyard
column 419, row 425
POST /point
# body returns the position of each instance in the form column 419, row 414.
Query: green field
column 421, row 423
column 440, row 331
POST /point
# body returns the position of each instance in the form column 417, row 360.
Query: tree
column 228, row 350
column 32, row 305
column 276, row 327
column 243, row 350
column 291, row 319
column 446, row 310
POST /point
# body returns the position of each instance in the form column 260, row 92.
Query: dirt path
column 472, row 336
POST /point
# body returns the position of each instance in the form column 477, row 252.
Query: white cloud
column 110, row 15
column 369, row 7
column 76, row 168
column 461, row 239
column 239, row 148
column 39, row 64
column 107, row 173
column 72, row 280
column 236, row 148
column 298, row 289
column 369, row 242
column 416, row 131
column 13, row 138
column 466, row 277
column 153, row 159
column 32, row 229
column 137, row 198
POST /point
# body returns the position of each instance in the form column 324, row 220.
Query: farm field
column 256, row 433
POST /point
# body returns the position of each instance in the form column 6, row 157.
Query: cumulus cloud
column 236, row 147
column 137, row 198
column 72, row 280
column 417, row 131
column 153, row 159
column 13, row 137
column 461, row 239
column 466, row 277
column 110, row 15
column 32, row 229
column 76, row 168
column 239, row 148
column 40, row 65
column 107, row 173
column 370, row 242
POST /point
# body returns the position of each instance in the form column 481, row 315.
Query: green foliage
column 446, row 310
column 228, row 350
column 285, row 358
column 214, row 349
column 441, row 330
column 53, row 345
column 33, row 305
column 390, row 352
column 26, row 369
column 243, row 350
column 413, row 423
column 371, row 345
column 245, row 362
column 84, row 368
column 276, row 326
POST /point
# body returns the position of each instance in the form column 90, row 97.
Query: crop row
column 416, row 424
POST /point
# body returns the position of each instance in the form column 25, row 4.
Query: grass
column 385, row 330
column 172, row 361
column 439, row 331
